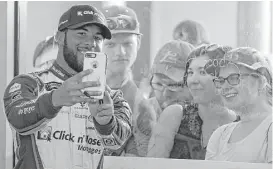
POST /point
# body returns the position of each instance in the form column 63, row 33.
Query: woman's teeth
column 230, row 95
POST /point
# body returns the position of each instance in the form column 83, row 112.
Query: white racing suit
column 52, row 138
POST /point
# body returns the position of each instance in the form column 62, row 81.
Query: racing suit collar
column 61, row 72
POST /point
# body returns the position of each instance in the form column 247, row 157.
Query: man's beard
column 71, row 58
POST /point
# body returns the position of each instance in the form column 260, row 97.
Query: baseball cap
column 80, row 15
column 252, row 59
column 171, row 59
column 121, row 19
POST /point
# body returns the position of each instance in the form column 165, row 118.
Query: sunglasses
column 233, row 79
column 121, row 22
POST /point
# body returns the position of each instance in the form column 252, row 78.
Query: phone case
column 97, row 62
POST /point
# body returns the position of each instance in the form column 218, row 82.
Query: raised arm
column 116, row 133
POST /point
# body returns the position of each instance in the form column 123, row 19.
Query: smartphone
column 96, row 61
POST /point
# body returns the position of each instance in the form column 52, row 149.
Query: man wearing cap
column 167, row 75
column 168, row 89
column 122, row 50
column 55, row 125
column 171, row 96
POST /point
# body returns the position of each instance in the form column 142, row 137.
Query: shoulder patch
column 39, row 82
column 14, row 87
column 16, row 96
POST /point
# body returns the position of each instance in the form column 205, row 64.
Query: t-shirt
column 252, row 149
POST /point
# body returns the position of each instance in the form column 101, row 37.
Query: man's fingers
column 77, row 99
column 107, row 98
column 93, row 107
column 76, row 93
column 107, row 88
column 104, row 107
column 93, row 93
column 83, row 85
column 104, row 113
column 104, row 116
column 80, row 75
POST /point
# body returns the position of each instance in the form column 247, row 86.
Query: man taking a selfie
column 55, row 125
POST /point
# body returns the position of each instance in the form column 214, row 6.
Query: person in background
column 55, row 125
column 122, row 51
column 201, row 117
column 189, row 31
column 45, row 53
column 167, row 76
column 199, row 77
column 192, row 32
column 245, row 84
column 167, row 82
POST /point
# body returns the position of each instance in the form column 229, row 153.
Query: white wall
column 218, row 18
column 255, row 25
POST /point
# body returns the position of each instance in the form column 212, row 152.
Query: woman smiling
column 245, row 84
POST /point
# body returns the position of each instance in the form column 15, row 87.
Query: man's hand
column 69, row 93
column 104, row 112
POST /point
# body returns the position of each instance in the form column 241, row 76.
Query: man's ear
column 60, row 37
column 139, row 37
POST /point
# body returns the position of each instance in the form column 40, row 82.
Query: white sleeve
column 214, row 143
column 162, row 139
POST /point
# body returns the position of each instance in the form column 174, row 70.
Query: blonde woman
column 245, row 84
